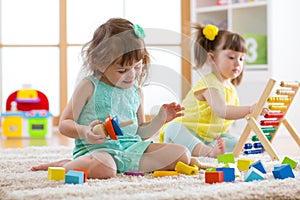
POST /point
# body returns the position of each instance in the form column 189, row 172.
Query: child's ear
column 210, row 55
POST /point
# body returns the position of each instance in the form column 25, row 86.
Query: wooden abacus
column 278, row 105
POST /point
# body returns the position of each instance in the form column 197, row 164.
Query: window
column 41, row 47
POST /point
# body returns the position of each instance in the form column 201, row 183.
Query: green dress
column 124, row 103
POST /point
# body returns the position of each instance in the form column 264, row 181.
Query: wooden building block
column 229, row 175
column 259, row 166
column 244, row 164
column 283, row 171
column 186, row 169
column 253, row 174
column 226, row 158
column 214, row 177
column 289, row 161
column 84, row 171
column 164, row 173
column 74, row 177
column 56, row 173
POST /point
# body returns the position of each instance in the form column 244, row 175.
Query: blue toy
column 283, row 171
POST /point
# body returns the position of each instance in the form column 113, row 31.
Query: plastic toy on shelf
column 27, row 115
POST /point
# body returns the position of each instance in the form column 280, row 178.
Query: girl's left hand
column 170, row 111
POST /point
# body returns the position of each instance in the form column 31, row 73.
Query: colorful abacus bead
column 279, row 99
column 269, row 122
column 289, row 84
column 274, row 115
column 268, row 129
column 285, row 92
column 278, row 107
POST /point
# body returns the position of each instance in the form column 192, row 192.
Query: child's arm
column 68, row 125
column 166, row 113
column 218, row 104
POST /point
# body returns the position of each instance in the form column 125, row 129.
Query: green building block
column 226, row 158
column 290, row 162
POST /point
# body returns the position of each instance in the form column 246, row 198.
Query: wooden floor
column 56, row 139
column 283, row 143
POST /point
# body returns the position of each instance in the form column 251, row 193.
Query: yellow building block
column 164, row 173
column 186, row 169
column 243, row 164
column 56, row 173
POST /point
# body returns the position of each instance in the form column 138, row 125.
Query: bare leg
column 211, row 151
column 99, row 165
column 160, row 156
column 45, row 166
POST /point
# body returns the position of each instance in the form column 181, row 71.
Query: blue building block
column 259, row 166
column 283, row 171
column 74, row 177
column 229, row 174
column 253, row 174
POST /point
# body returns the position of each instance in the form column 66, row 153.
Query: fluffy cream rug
column 16, row 182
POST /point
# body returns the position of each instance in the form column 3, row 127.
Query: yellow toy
column 186, row 169
column 244, row 164
column 164, row 173
column 56, row 173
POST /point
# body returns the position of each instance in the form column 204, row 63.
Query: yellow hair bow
column 210, row 32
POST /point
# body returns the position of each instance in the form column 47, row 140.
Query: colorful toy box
column 27, row 115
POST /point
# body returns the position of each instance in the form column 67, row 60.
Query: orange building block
column 214, row 177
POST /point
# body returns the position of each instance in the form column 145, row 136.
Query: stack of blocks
column 253, row 170
column 75, row 176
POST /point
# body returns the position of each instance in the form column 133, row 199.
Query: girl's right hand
column 92, row 137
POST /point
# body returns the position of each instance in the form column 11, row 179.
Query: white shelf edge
column 212, row 9
column 217, row 8
column 248, row 4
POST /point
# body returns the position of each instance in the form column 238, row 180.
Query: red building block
column 214, row 177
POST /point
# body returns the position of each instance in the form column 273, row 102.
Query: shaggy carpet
column 16, row 182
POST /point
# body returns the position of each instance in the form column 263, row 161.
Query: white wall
column 285, row 60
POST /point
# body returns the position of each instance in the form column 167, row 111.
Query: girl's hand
column 92, row 137
column 170, row 111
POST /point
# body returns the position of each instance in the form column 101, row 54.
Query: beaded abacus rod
column 278, row 106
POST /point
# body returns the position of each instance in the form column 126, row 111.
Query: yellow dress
column 198, row 115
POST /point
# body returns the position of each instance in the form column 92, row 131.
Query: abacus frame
column 252, row 122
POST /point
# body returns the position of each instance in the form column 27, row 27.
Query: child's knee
column 101, row 170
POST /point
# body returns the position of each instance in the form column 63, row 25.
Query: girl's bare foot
column 210, row 151
column 45, row 166
column 219, row 148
